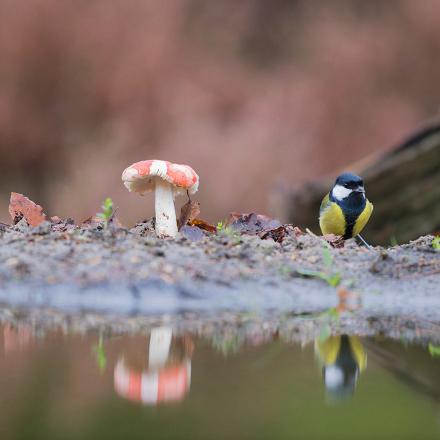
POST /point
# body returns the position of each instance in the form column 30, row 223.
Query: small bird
column 342, row 358
column 345, row 210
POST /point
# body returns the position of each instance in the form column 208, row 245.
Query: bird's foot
column 364, row 242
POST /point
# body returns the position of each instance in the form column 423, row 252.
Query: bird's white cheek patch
column 340, row 192
column 333, row 377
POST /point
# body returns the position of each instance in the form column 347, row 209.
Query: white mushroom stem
column 159, row 349
column 166, row 223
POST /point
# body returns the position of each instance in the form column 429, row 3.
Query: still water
column 164, row 385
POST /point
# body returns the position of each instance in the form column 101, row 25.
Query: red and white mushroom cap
column 140, row 177
column 153, row 387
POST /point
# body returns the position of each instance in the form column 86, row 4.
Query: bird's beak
column 360, row 189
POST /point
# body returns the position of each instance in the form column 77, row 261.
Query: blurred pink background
column 251, row 94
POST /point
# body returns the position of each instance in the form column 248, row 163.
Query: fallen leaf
column 335, row 241
column 201, row 224
column 276, row 234
column 189, row 211
column 252, row 223
column 21, row 207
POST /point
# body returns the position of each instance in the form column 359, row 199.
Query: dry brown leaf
column 201, row 224
column 252, row 223
column 20, row 206
column 335, row 241
column 189, row 211
column 276, row 234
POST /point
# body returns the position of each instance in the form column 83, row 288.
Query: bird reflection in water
column 165, row 377
column 343, row 358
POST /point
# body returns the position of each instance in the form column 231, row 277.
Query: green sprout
column 328, row 275
column 228, row 231
column 436, row 242
column 393, row 241
column 434, row 350
column 327, row 257
column 107, row 211
column 100, row 356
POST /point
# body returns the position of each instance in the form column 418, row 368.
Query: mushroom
column 167, row 180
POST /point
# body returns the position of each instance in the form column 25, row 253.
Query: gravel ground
column 130, row 272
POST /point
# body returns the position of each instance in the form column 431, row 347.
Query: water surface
column 164, row 385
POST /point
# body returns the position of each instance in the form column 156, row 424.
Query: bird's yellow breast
column 328, row 350
column 363, row 218
column 331, row 218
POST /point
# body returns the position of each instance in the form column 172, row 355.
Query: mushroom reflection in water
column 165, row 377
column 343, row 358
